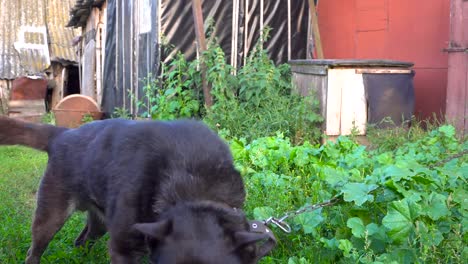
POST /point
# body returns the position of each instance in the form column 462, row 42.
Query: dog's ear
column 157, row 230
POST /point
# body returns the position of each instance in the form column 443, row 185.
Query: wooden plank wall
column 5, row 86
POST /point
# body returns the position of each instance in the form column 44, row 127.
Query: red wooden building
column 418, row 31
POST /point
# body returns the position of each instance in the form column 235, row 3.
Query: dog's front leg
column 93, row 230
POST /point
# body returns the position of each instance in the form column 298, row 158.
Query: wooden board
column 384, row 71
column 353, row 104
column 333, row 115
column 346, row 103
column 30, row 110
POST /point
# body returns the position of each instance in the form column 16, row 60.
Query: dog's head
column 204, row 233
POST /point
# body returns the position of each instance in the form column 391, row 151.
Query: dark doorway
column 71, row 83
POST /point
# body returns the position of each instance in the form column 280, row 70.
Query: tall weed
column 259, row 100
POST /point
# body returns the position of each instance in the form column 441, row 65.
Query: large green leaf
column 436, row 206
column 334, row 176
column 429, row 236
column 375, row 231
column 400, row 218
column 358, row 192
column 357, row 227
column 310, row 220
column 346, row 246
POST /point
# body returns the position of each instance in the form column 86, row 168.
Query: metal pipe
column 289, row 29
column 261, row 20
column 246, row 29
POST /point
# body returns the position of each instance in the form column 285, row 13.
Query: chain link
column 309, row 208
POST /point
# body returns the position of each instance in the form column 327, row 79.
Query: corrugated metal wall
column 415, row 31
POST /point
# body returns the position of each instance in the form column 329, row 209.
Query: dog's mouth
column 202, row 221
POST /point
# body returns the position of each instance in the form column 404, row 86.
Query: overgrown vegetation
column 256, row 100
column 406, row 205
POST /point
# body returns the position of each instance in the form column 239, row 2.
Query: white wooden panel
column 353, row 103
column 346, row 103
column 333, row 115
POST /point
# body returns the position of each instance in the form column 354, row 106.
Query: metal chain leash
column 285, row 226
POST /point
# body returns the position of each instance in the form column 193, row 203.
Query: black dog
column 167, row 187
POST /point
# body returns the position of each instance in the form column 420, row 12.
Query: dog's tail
column 37, row 136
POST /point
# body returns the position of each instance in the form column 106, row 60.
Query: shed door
column 457, row 88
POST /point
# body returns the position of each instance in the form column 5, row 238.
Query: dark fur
column 167, row 186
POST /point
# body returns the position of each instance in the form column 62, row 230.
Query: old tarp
column 111, row 96
column 132, row 52
column 177, row 26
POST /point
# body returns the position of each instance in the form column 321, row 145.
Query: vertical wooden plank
column 315, row 29
column 198, row 20
column 201, row 40
column 333, row 112
column 353, row 103
column 346, row 103
column 4, row 95
column 310, row 41
column 457, row 88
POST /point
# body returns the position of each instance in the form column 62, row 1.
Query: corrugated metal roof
column 80, row 12
column 60, row 36
column 26, row 28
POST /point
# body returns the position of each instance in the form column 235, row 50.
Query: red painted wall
column 406, row 30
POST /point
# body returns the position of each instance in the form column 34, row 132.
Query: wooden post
column 457, row 85
column 201, row 40
column 315, row 29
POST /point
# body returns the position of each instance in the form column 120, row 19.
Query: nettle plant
column 174, row 94
column 408, row 205
column 259, row 99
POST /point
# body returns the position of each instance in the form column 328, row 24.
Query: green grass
column 20, row 173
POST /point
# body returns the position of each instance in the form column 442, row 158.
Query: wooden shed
column 355, row 93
